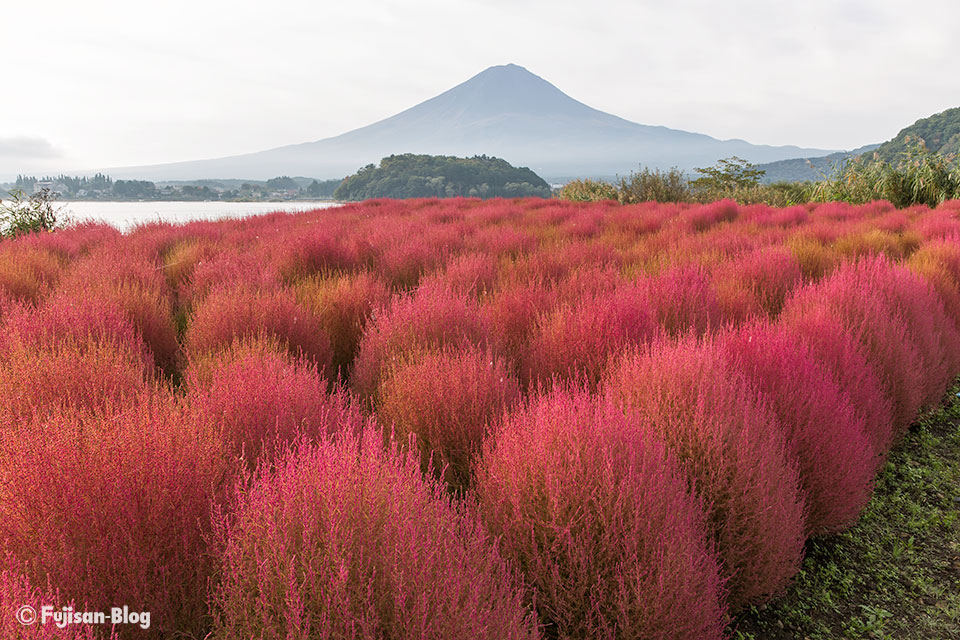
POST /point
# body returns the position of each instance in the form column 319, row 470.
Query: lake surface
column 125, row 215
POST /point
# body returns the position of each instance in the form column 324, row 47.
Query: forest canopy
column 425, row 176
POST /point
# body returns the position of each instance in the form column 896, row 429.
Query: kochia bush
column 432, row 317
column 845, row 357
column 598, row 515
column 448, row 400
column 227, row 314
column 258, row 398
column 733, row 450
column 575, row 340
column 113, row 509
column 346, row 539
column 824, row 432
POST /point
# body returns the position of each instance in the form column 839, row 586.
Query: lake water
column 124, row 215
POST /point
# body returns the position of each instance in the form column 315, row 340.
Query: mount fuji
column 504, row 111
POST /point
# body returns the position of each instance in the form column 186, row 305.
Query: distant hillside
column 425, row 176
column 940, row 133
column 504, row 111
column 804, row 169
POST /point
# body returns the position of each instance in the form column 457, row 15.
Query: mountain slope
column 939, row 132
column 504, row 111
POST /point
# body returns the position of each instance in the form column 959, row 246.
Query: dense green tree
column 424, row 176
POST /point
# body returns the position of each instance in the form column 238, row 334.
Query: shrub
column 683, row 300
column 16, row 592
column 308, row 252
column 430, row 318
column 70, row 354
column 229, row 313
column 138, row 287
column 510, row 314
column 599, row 517
column 343, row 304
column 814, row 259
column 654, row 185
column 183, row 258
column 824, row 433
column 448, row 399
column 763, row 277
column 939, row 263
column 27, row 273
column 471, row 274
column 112, row 509
column 585, row 190
column 732, row 449
column 230, row 268
column 844, row 355
column 917, row 302
column 576, row 339
column 345, row 539
column 851, row 298
column 257, row 399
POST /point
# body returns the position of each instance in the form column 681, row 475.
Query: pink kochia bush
column 16, row 592
column 683, row 300
column 82, row 354
column 575, row 340
column 257, row 398
column 241, row 312
column 447, row 399
column 598, row 515
column 845, row 357
column 824, row 432
column 347, row 539
column 732, row 449
column 432, row 317
column 113, row 509
column 138, row 287
column 343, row 304
column 853, row 296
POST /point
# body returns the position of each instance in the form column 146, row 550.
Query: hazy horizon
column 104, row 84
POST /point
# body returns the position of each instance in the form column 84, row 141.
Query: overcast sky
column 98, row 84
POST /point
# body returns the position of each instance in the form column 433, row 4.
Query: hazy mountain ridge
column 504, row 111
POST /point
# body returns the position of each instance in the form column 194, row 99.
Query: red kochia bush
column 448, row 400
column 242, row 312
column 83, row 354
column 16, row 592
column 137, row 285
column 345, row 539
column 575, row 340
column 927, row 321
column 939, row 263
column 111, row 509
column 763, row 277
column 844, row 356
column 430, row 318
column 732, row 448
column 343, row 305
column 256, row 397
column 683, row 300
column 599, row 517
column 304, row 252
column 852, row 295
column 824, row 432
column 27, row 272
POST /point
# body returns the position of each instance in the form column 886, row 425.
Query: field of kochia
column 436, row 419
